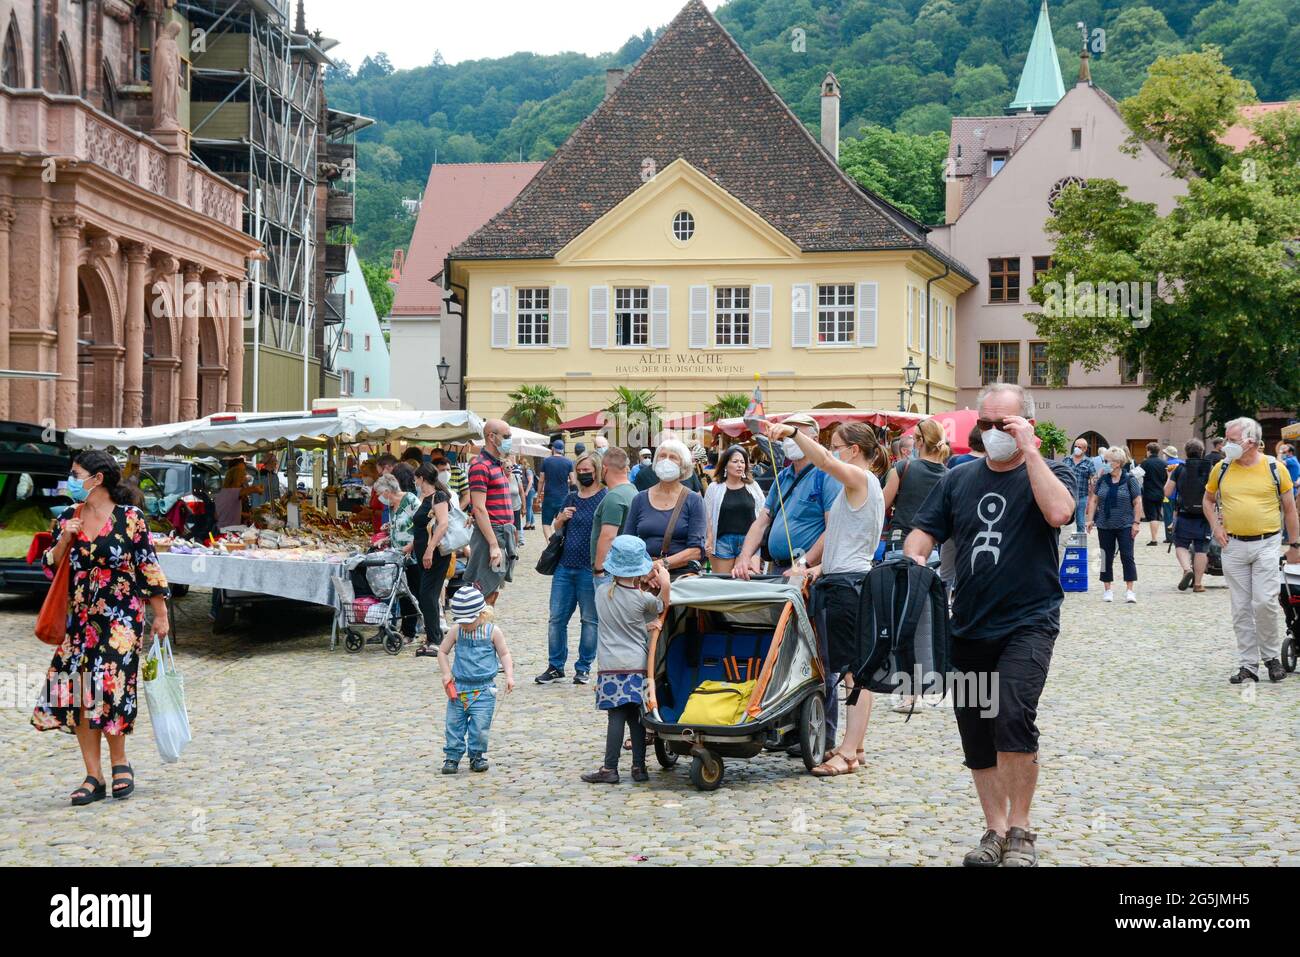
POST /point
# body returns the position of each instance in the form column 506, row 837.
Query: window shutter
column 699, row 328
column 867, row 294
column 762, row 326
column 935, row 339
column 951, row 333
column 658, row 317
column 598, row 314
column 560, row 317
column 500, row 317
column 801, row 315
column 911, row 300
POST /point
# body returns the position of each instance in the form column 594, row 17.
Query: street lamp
column 911, row 372
column 443, row 368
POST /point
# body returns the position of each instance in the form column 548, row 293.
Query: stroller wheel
column 812, row 729
column 353, row 641
column 393, row 641
column 706, row 771
column 1290, row 653
column 666, row 758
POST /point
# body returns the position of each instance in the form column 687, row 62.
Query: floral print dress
column 110, row 578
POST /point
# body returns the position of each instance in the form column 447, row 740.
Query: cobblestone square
column 301, row 755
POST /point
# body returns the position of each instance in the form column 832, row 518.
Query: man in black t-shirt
column 1003, row 515
column 1155, row 472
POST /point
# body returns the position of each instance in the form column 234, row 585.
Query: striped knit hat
column 467, row 604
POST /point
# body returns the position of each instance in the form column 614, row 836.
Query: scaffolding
column 255, row 112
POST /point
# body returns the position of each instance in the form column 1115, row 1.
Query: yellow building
column 690, row 234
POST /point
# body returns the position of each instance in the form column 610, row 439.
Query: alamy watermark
column 1073, row 299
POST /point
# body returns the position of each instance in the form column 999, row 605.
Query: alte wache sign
column 681, row 363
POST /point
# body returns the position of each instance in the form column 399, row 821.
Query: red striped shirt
column 487, row 475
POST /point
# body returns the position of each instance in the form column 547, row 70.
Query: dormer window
column 996, row 162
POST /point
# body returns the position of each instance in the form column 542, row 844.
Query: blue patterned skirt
column 617, row 688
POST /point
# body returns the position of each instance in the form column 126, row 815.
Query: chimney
column 831, row 116
column 613, row 77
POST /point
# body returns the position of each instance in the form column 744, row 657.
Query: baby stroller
column 1290, row 599
column 369, row 592
column 734, row 671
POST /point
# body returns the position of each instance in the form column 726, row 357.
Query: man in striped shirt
column 493, row 546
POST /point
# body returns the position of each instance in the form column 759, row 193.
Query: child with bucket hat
column 480, row 650
column 626, row 614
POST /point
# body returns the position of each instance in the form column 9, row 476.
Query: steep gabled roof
column 974, row 137
column 695, row 95
column 458, row 199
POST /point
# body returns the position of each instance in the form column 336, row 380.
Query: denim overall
column 469, row 715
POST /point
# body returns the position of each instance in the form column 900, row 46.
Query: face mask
column 668, row 470
column 444, row 479
column 791, row 449
column 507, row 444
column 586, row 479
column 1078, row 453
column 77, row 490
column 999, row 446
column 1232, row 451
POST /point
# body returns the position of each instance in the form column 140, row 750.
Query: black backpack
column 1191, row 486
column 896, row 654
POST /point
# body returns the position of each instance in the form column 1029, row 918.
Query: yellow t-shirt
column 1249, row 497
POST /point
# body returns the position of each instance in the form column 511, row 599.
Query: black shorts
column 995, row 696
column 1192, row 532
column 1152, row 509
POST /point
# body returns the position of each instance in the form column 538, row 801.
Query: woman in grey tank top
column 852, row 532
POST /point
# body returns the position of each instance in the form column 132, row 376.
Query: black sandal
column 89, row 795
column 126, row 787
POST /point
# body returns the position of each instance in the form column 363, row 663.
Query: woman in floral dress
column 90, row 688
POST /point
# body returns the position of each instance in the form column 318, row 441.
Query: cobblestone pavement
column 301, row 755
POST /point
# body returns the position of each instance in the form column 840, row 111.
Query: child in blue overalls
column 470, row 682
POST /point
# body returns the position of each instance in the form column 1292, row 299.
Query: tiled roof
column 695, row 95
column 458, row 199
column 972, row 139
column 1240, row 136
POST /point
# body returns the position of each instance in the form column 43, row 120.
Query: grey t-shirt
column 623, row 613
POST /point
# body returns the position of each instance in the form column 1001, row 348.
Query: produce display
column 19, row 521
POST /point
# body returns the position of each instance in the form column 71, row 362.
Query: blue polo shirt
column 804, row 514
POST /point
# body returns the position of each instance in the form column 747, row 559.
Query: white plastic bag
column 165, row 695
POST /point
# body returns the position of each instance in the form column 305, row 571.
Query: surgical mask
column 668, row 470
column 999, row 446
column 791, row 449
column 1078, row 452
column 507, row 444
column 586, row 479
column 77, row 490
column 444, row 479
column 1232, row 451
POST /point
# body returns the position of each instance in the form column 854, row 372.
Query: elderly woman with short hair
column 1115, row 509
column 669, row 517
column 402, row 505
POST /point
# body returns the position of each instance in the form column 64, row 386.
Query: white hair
column 387, row 485
column 1116, row 453
column 1026, row 400
column 683, row 454
column 1250, row 429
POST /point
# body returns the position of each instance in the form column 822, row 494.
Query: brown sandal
column 860, row 756
column 828, row 770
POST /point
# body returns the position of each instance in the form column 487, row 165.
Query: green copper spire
column 1041, row 86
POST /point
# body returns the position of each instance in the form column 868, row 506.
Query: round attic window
column 1055, row 192
column 683, row 226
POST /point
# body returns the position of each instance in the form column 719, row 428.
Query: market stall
column 293, row 548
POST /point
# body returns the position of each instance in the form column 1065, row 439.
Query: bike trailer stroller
column 370, row 592
column 733, row 671
column 1290, row 599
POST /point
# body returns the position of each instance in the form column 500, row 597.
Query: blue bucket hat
column 627, row 557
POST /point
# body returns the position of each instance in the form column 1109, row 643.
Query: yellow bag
column 718, row 703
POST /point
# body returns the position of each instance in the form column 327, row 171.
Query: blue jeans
column 528, row 506
column 1080, row 513
column 470, row 725
column 571, row 588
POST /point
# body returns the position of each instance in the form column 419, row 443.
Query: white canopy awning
column 255, row 431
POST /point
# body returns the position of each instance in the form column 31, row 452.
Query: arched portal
column 99, row 356
column 1095, row 441
column 161, row 364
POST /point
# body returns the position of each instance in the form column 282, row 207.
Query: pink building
column 1003, row 173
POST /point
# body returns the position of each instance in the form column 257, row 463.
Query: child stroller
column 1290, row 599
column 738, row 660
column 369, row 592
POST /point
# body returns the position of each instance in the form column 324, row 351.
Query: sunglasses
column 985, row 424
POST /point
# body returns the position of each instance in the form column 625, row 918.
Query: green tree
column 727, row 405
column 636, row 411
column 1053, row 437
column 535, row 407
column 377, row 273
column 903, row 168
column 1223, row 304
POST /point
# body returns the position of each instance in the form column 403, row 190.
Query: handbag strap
column 672, row 524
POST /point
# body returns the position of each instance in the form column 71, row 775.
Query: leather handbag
column 52, row 622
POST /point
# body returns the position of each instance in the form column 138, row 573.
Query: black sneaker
column 581, row 677
column 640, row 774
column 1275, row 670
column 549, row 675
column 1243, row 674
column 1185, row 582
column 601, row 776
column 450, row 767
column 478, row 763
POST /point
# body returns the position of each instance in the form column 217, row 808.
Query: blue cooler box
column 1074, row 568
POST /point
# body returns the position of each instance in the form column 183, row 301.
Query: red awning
column 956, row 428
column 591, row 422
column 826, row 418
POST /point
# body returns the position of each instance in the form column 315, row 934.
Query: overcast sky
column 410, row 30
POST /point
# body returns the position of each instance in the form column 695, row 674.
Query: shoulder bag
column 690, row 568
column 52, row 622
